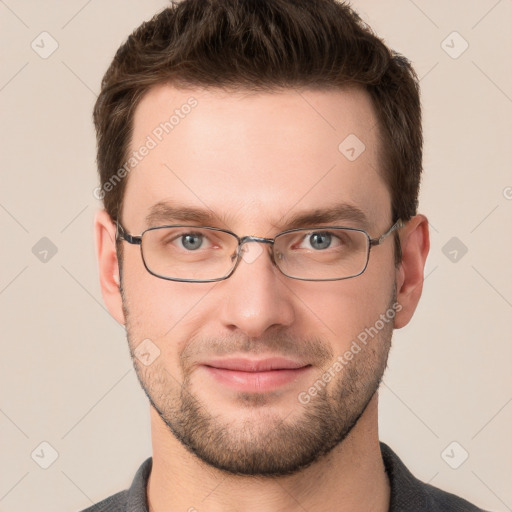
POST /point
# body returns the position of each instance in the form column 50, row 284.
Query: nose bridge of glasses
column 244, row 240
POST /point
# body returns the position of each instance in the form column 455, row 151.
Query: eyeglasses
column 200, row 254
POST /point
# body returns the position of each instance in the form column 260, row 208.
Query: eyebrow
column 167, row 212
column 342, row 212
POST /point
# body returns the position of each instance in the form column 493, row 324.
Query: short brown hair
column 263, row 45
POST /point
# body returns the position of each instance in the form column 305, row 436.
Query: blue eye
column 320, row 240
column 192, row 241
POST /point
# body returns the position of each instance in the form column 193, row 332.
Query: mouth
column 251, row 375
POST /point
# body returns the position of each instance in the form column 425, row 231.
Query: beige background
column 66, row 376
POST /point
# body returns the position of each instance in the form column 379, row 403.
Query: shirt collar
column 407, row 492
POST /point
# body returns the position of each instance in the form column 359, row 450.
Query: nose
column 256, row 297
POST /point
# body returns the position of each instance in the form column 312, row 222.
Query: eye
column 192, row 241
column 181, row 239
column 320, row 240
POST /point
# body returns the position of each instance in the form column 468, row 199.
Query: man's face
column 253, row 162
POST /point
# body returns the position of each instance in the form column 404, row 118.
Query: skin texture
column 253, row 161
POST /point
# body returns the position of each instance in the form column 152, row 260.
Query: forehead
column 254, row 158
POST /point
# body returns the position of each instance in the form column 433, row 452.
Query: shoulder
column 113, row 503
column 438, row 499
column 409, row 493
column 133, row 499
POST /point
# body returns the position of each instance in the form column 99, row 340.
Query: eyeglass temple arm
column 121, row 234
column 397, row 225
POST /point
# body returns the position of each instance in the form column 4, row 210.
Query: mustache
column 312, row 350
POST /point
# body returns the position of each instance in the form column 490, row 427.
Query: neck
column 350, row 478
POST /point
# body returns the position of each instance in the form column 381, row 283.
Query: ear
column 415, row 242
column 108, row 265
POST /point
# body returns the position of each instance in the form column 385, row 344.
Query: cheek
column 344, row 309
column 156, row 308
column 138, row 287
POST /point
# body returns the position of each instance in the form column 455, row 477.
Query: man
column 260, row 164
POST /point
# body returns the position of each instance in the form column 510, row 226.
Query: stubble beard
column 266, row 444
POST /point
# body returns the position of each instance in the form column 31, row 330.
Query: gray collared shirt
column 408, row 494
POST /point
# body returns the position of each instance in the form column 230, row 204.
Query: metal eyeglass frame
column 121, row 234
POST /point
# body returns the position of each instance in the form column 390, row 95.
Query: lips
column 255, row 376
column 252, row 365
